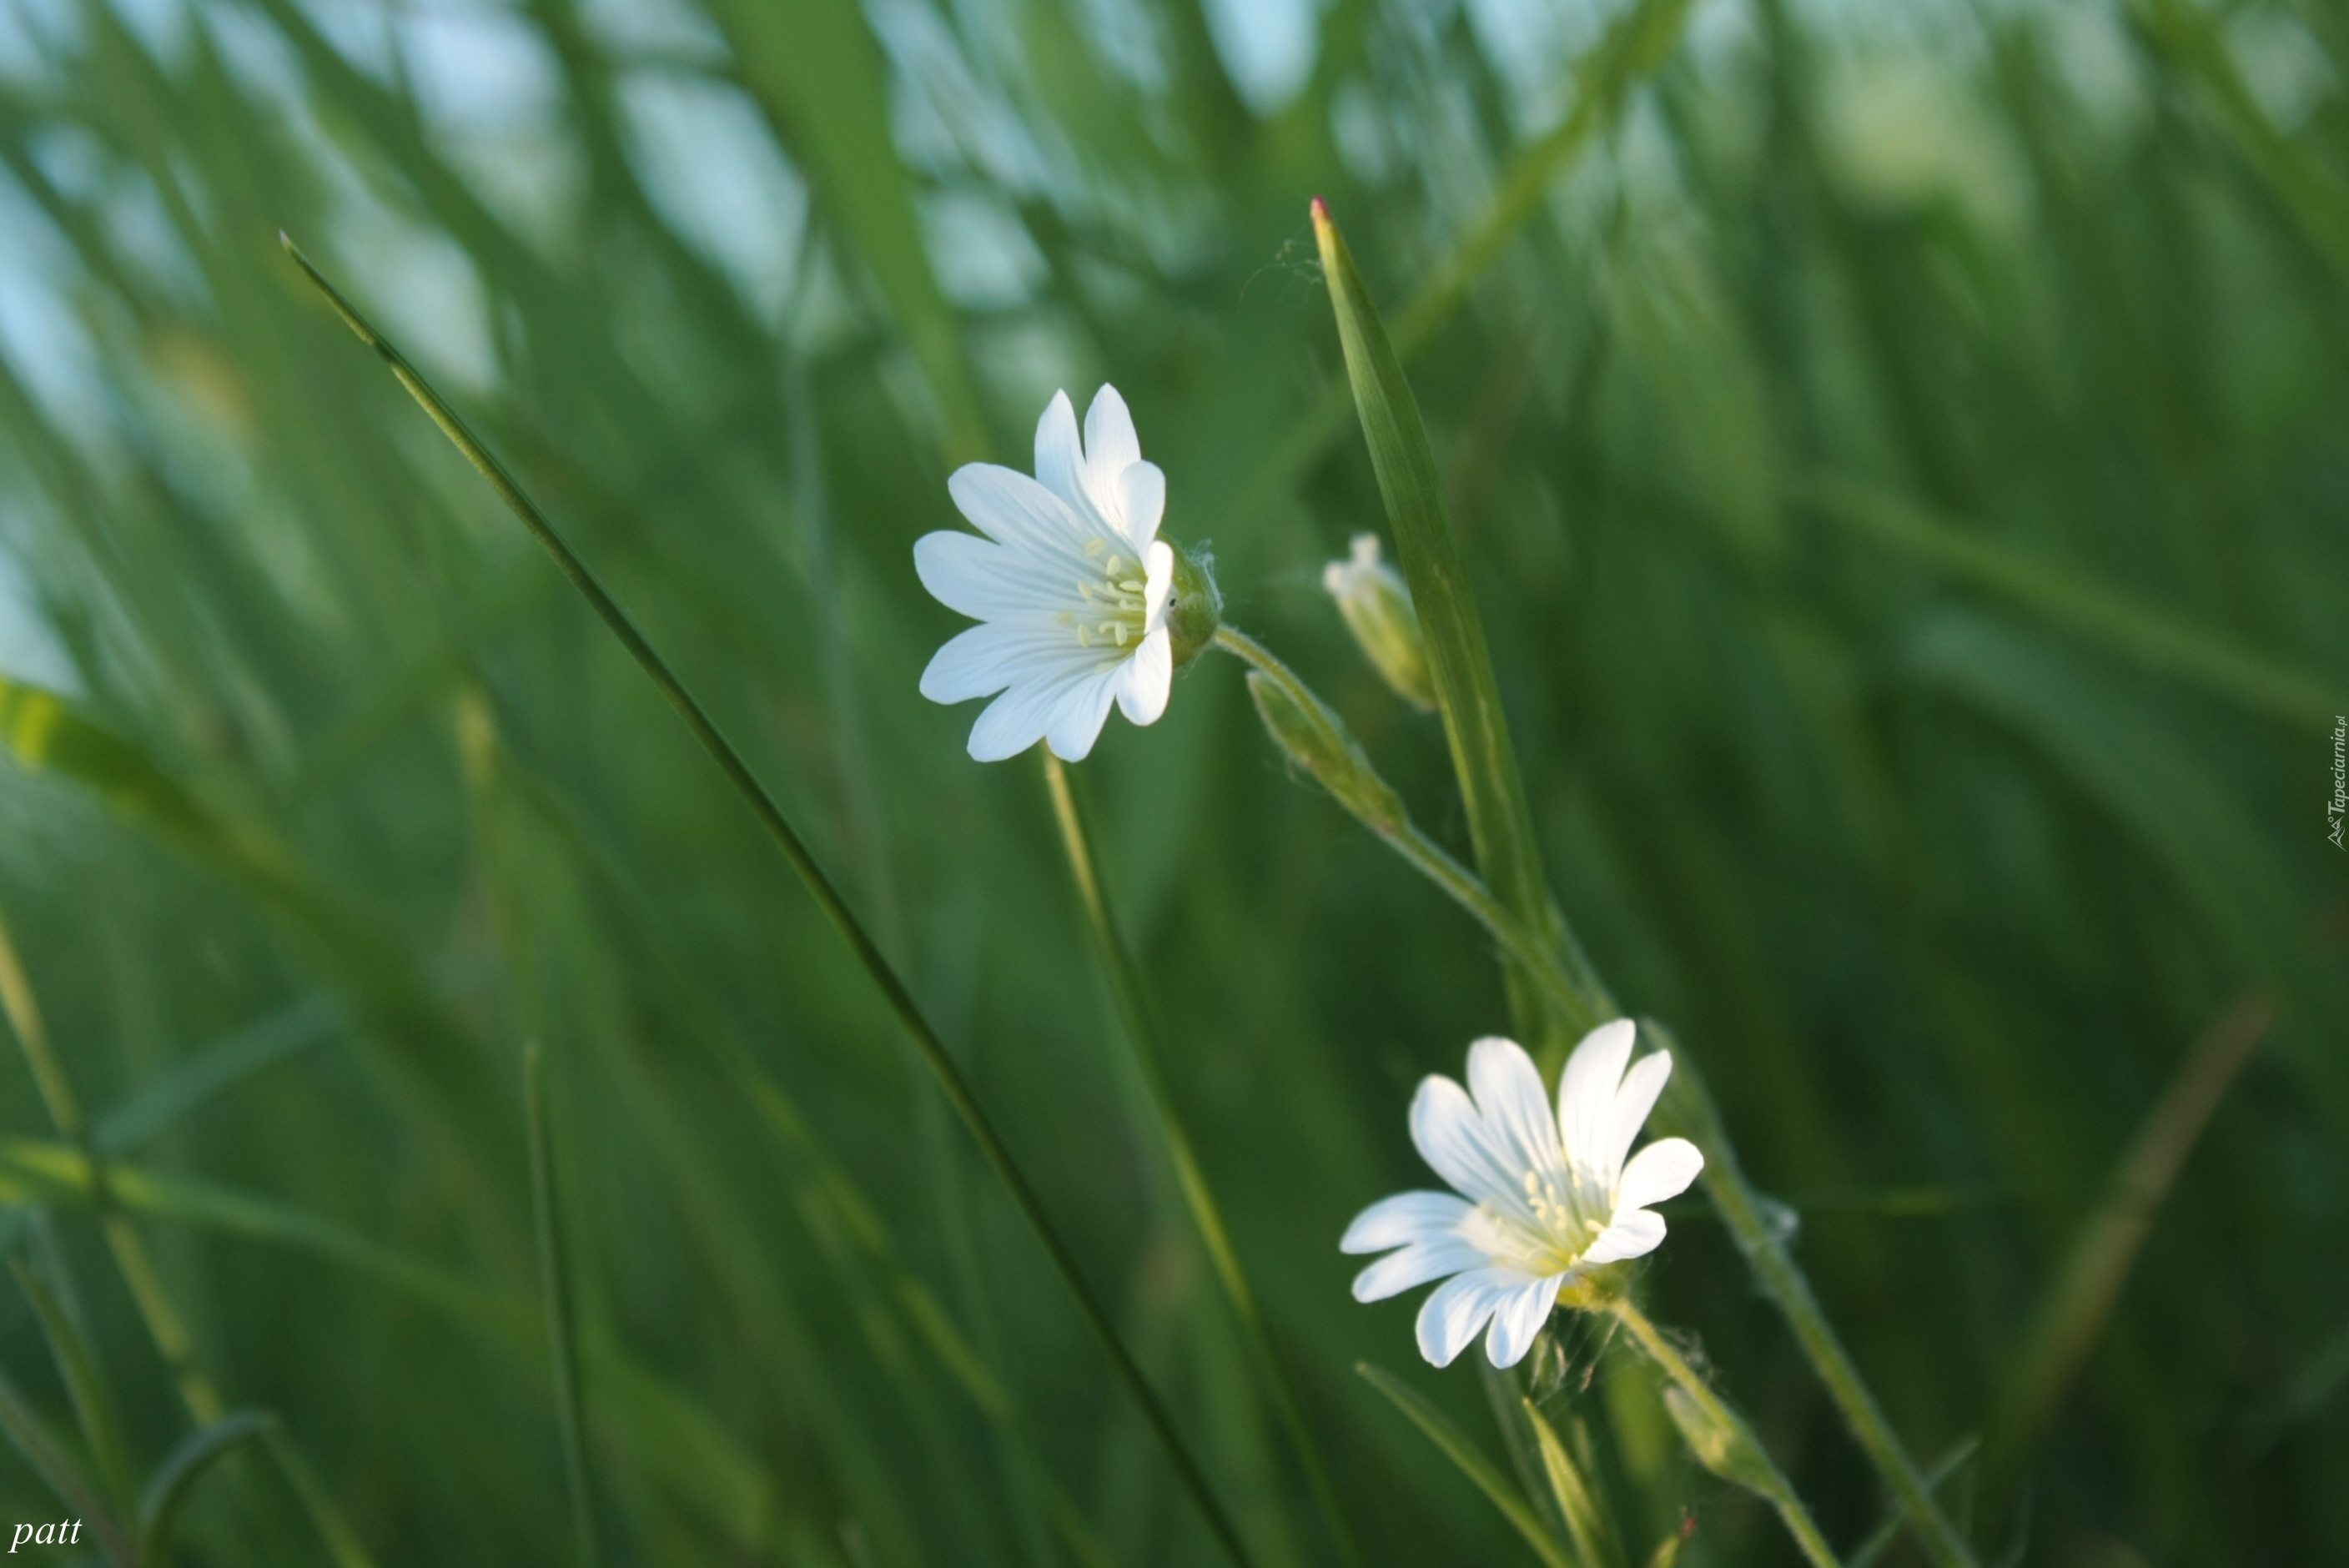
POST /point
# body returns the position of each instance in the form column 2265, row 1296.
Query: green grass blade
column 159, row 1504
column 79, row 1369
column 1470, row 1461
column 1482, row 756
column 555, row 1293
column 769, row 815
column 1635, row 45
column 1594, row 1539
column 2087, row 1285
column 2075, row 602
column 1879, row 1543
column 816, row 67
column 26, row 1430
column 682, row 1445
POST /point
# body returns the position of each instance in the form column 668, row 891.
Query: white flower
column 1546, row 1200
column 1069, row 585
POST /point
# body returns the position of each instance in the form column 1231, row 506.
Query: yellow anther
column 1095, row 546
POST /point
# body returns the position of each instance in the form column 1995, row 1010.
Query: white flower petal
column 1405, row 1218
column 989, row 581
column 1634, row 1234
column 981, row 660
column 1519, row 1317
column 1416, row 1265
column 1021, row 715
column 1454, row 1140
column 1507, row 1087
column 1111, row 448
column 1142, row 501
column 1633, row 1101
column 1158, row 582
column 1585, row 1094
column 1011, row 509
column 1082, row 711
column 1059, row 461
column 1662, row 1170
column 1145, row 680
column 1459, row 1309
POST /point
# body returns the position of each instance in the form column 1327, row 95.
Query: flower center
column 1567, row 1217
column 1114, row 609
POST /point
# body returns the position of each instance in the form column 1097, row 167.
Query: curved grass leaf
column 159, row 1504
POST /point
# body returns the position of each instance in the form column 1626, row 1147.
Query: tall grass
column 1895, row 456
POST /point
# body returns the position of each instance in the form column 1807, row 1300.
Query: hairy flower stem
column 1740, row 1206
column 926, row 1040
column 1125, row 984
column 1755, row 1468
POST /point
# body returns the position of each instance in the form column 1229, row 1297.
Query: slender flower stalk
column 926, row 1040
column 1125, row 984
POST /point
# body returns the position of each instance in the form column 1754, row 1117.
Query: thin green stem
column 1740, row 1206
column 1125, row 984
column 1774, row 1485
column 562, row 1326
column 926, row 1040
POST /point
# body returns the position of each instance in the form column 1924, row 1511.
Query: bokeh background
column 1903, row 452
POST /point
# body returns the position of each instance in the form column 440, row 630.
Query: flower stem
column 1766, row 1476
column 1125, row 984
column 1741, row 1207
column 926, row 1039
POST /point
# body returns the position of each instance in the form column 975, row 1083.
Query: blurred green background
column 1903, row 451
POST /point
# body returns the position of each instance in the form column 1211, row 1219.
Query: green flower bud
column 1722, row 1442
column 1195, row 607
column 1316, row 741
column 1376, row 602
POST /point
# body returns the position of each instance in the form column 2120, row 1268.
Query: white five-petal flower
column 1070, row 587
column 1542, row 1200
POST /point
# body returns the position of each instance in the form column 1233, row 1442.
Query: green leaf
column 1594, row 1536
column 159, row 1505
column 1500, row 824
column 1471, row 1463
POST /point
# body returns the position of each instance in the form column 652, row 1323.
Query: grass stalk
column 2096, row 1266
column 562, row 1325
column 1764, row 1476
column 820, row 886
column 1133, row 1008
